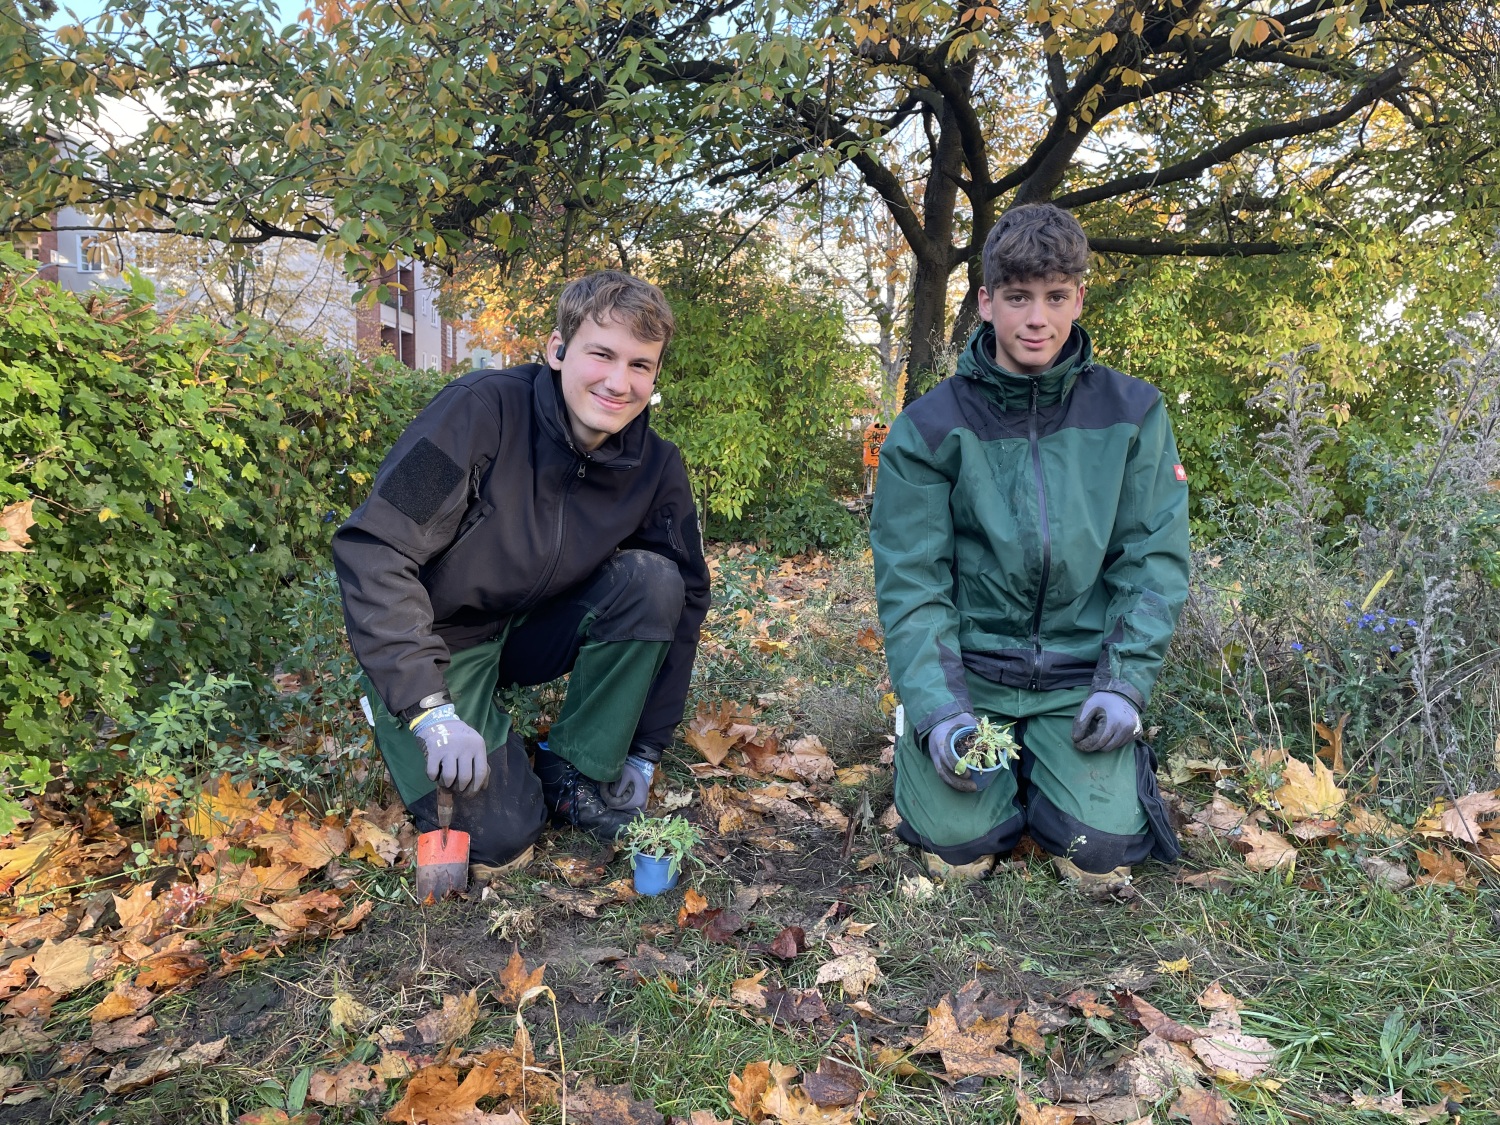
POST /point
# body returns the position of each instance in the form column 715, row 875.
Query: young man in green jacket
column 1030, row 538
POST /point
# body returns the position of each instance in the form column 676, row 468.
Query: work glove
column 456, row 755
column 634, row 784
column 942, row 748
column 1105, row 722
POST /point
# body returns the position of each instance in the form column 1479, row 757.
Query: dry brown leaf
column 122, row 1035
column 1217, row 999
column 1333, row 751
column 1264, row 850
column 608, row 1105
column 805, row 759
column 171, row 968
column 1365, row 822
column 706, row 731
column 1441, row 867
column 834, row 1083
column 307, row 845
column 515, row 981
column 795, row 1005
column 294, row 915
column 456, row 1019
column 230, row 882
column 971, row 1050
column 704, row 1117
column 1383, row 871
column 1307, row 793
column 749, row 991
column 856, row 972
column 1159, row 1067
column 747, row 1088
column 1203, row 1107
column 1222, row 815
column 1462, row 821
column 125, row 999
column 1154, row 1020
column 160, row 1063
column 346, row 1086
column 869, row 639
column 345, row 1012
column 15, row 519
column 371, row 842
column 1025, row 1034
column 227, row 807
column 1235, row 1054
column 24, row 1036
column 25, row 858
column 692, row 903
column 794, row 1107
column 67, row 966
column 1029, row 1113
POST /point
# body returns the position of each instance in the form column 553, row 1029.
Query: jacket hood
column 1013, row 391
column 623, row 450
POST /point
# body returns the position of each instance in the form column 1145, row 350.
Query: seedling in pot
column 661, row 842
column 991, row 747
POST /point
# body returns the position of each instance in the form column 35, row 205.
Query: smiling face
column 608, row 375
column 1032, row 320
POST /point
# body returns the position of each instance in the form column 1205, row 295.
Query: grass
column 1362, row 988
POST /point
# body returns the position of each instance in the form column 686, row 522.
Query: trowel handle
column 444, row 807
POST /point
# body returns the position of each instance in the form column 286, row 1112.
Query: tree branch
column 1233, row 146
column 1147, row 248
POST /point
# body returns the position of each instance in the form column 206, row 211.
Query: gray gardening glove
column 943, row 750
column 456, row 756
column 1105, row 722
column 634, row 785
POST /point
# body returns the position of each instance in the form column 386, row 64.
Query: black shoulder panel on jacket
column 959, row 404
column 1104, row 397
column 421, row 481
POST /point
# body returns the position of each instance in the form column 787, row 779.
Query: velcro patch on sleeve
column 421, row 481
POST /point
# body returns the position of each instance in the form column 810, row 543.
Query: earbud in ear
column 562, row 350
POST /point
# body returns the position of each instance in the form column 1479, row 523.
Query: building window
column 95, row 255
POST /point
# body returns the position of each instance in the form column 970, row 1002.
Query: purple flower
column 1395, row 648
column 1380, row 628
column 1296, row 646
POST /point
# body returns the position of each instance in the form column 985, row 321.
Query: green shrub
column 185, row 478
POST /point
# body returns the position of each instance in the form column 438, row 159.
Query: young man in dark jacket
column 1030, row 539
column 529, row 523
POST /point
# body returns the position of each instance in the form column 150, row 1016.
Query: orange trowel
column 442, row 856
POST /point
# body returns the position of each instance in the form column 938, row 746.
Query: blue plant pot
column 653, row 874
column 982, row 778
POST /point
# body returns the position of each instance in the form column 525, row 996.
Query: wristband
column 411, row 714
column 433, row 715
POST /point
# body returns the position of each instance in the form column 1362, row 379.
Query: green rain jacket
column 1031, row 530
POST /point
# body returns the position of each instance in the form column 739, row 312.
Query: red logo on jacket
column 1180, row 471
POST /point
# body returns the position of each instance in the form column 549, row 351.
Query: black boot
column 574, row 799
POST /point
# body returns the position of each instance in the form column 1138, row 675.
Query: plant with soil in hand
column 990, row 746
column 671, row 838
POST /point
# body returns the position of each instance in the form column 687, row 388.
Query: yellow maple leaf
column 1308, row 792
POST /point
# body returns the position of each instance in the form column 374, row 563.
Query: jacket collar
column 623, row 450
column 1013, row 391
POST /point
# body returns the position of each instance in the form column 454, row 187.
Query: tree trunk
column 929, row 311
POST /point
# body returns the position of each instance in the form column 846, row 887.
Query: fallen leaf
column 1089, row 1004
column 794, row 1107
column 974, row 1049
column 1383, row 871
column 15, row 519
column 297, row 914
column 1236, row 1054
column 692, row 903
column 861, row 774
column 1442, row 868
column 126, row 999
column 609, row 1105
column 805, row 759
column 1216, row 999
column 1222, row 815
column 795, row 1005
column 170, row 969
column 1181, row 965
column 748, row 1088
column 834, row 1083
column 515, row 981
column 371, row 842
column 787, row 945
column 347, row 1014
column 1264, row 850
column 1334, row 750
column 456, row 1019
column 650, row 963
column 345, row 1086
column 1462, row 821
column 1159, row 1067
column 1029, row 1113
column 578, row 871
column 1153, row 1019
column 307, row 845
column 716, row 924
column 1025, row 1034
column 705, row 732
column 24, row 1036
column 1366, row 822
column 704, row 1117
column 749, row 991
column 122, row 1035
column 856, row 972
column 67, row 966
column 1203, row 1107
column 230, row 882
column 917, row 887
column 160, row 1063
column 1214, row 879
column 868, row 638
column 219, row 812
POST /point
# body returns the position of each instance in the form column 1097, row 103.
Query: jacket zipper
column 1041, row 507
column 557, row 542
column 672, row 537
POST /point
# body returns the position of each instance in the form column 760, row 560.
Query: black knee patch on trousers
column 639, row 598
column 503, row 819
column 1001, row 838
column 1092, row 850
